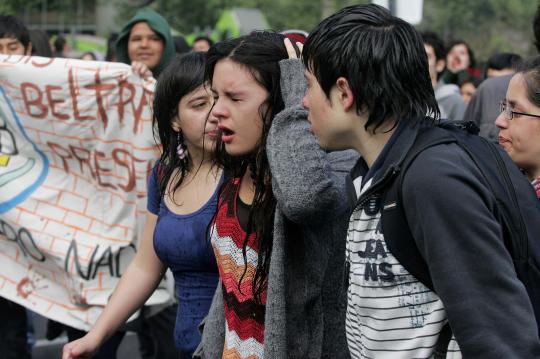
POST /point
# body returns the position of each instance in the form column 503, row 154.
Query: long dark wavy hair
column 260, row 53
column 184, row 74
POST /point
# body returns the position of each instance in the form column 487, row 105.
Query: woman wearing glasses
column 519, row 121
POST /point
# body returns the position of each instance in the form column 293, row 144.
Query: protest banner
column 76, row 147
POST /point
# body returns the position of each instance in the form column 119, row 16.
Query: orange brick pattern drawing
column 76, row 147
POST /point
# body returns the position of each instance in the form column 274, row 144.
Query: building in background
column 90, row 17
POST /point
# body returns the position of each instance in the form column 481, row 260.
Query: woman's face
column 238, row 98
column 520, row 136
column 458, row 57
column 199, row 129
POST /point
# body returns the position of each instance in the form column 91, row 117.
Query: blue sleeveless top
column 180, row 243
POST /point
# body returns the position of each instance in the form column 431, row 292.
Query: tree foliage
column 17, row 7
column 188, row 16
column 488, row 25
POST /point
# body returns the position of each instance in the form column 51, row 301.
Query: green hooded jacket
column 159, row 25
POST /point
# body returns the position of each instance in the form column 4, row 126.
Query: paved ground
column 44, row 349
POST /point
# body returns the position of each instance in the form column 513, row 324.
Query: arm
column 135, row 287
column 308, row 183
column 449, row 209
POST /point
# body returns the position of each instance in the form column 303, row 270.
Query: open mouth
column 226, row 134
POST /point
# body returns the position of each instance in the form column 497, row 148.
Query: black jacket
column 449, row 209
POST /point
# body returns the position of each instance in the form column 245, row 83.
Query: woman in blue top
column 182, row 198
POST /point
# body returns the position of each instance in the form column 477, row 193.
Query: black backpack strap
column 398, row 236
column 500, row 179
column 396, row 230
column 502, row 185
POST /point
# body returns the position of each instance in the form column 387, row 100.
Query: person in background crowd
column 363, row 100
column 41, row 45
column 460, row 63
column 146, row 38
column 180, row 45
column 278, row 244
column 484, row 106
column 501, row 64
column 519, row 121
column 182, row 199
column 14, row 40
column 467, row 88
column 61, row 47
column 14, row 37
column 110, row 55
column 92, row 56
column 202, row 43
column 448, row 96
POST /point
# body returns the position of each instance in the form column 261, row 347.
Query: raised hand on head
column 294, row 53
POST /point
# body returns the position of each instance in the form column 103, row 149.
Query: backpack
column 518, row 210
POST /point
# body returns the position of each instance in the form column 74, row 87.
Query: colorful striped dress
column 244, row 318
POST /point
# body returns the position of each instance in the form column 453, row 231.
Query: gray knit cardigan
column 306, row 300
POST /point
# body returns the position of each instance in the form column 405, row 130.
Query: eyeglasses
column 509, row 113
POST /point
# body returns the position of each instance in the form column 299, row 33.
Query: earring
column 180, row 148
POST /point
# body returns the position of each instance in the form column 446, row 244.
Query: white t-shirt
column 390, row 314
